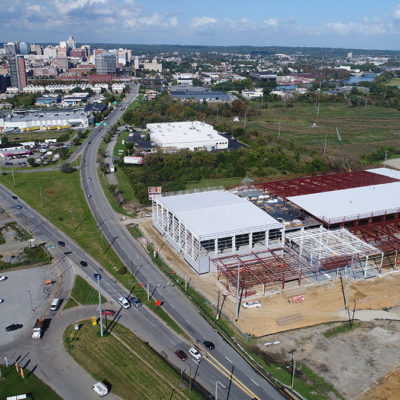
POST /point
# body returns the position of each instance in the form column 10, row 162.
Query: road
column 224, row 363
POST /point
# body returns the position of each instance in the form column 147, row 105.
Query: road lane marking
column 228, row 359
column 254, row 382
column 224, row 371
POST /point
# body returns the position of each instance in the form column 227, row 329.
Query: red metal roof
column 323, row 183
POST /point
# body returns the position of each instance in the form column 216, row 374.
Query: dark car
column 89, row 196
column 108, row 312
column 18, row 206
column 136, row 301
column 209, row 345
column 181, row 354
column 61, row 243
column 13, row 327
column 15, row 197
column 83, row 263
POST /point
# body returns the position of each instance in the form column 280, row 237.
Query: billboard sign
column 154, row 192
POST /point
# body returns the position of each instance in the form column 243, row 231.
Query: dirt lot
column 386, row 388
column 349, row 361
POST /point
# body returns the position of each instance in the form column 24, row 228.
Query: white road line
column 228, row 359
column 254, row 382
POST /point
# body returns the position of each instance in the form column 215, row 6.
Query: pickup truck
column 38, row 329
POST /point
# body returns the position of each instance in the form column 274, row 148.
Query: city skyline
column 183, row 22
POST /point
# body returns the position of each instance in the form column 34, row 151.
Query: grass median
column 132, row 369
column 13, row 384
column 64, row 204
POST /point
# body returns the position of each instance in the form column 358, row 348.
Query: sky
column 367, row 24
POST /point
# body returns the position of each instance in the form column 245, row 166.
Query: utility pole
column 384, row 163
column 237, row 293
column 279, row 130
column 216, row 388
column 293, row 367
column 326, row 136
column 12, row 173
column 70, row 214
column 98, row 277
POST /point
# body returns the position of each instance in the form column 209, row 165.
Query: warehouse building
column 42, row 120
column 192, row 135
column 201, row 226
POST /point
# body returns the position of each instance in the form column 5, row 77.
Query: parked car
column 13, row 327
column 124, row 302
column 209, row 345
column 195, row 353
column 14, row 197
column 108, row 312
column 136, row 301
column 83, row 263
column 3, row 278
column 61, row 243
column 18, row 206
column 252, row 304
column 181, row 354
column 1, row 300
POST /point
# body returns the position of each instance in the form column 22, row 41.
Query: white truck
column 100, row 388
column 38, row 329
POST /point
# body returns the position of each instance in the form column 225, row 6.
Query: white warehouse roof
column 391, row 173
column 218, row 212
column 186, row 135
column 351, row 204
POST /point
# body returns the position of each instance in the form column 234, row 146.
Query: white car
column 3, row 278
column 100, row 388
column 124, row 302
column 252, row 304
column 1, row 300
column 194, row 353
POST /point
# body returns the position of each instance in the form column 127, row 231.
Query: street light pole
column 30, row 297
column 216, row 388
column 98, row 277
column 293, row 367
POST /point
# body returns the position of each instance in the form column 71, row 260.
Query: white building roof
column 391, row 173
column 189, row 134
column 217, row 212
column 351, row 204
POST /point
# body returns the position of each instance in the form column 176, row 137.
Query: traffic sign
column 104, row 123
column 97, row 276
column 51, row 246
column 94, row 321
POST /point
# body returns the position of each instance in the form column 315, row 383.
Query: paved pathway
column 370, row 315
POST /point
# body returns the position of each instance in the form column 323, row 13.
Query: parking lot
column 17, row 291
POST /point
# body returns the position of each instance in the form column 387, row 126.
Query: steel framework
column 306, row 253
column 332, row 249
column 323, row 183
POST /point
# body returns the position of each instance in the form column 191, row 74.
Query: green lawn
column 84, row 293
column 393, row 82
column 13, row 385
column 135, row 231
column 70, row 303
column 204, row 183
column 119, row 146
column 124, row 185
column 132, row 368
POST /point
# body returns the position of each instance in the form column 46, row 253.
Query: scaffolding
column 323, row 183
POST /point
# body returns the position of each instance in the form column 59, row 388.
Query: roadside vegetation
column 132, row 368
column 83, row 293
column 13, row 384
column 29, row 256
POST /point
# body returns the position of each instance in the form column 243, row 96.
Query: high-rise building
column 37, row 49
column 4, row 83
column 18, row 72
column 71, row 43
column 10, row 48
column 105, row 63
column 23, row 48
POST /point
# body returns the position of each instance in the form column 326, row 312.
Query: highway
column 223, row 364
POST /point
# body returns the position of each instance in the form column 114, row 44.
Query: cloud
column 365, row 27
column 202, row 22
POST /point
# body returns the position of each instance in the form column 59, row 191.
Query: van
column 55, row 304
column 100, row 388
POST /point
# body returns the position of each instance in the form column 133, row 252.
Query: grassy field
column 119, row 146
column 64, row 204
column 132, row 368
column 38, row 136
column 14, row 385
column 70, row 303
column 369, row 128
column 393, row 82
column 83, row 293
